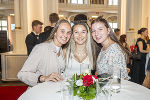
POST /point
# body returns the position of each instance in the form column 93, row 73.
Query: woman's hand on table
column 55, row 77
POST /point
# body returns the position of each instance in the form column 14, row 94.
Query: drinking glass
column 103, row 85
column 67, row 90
column 103, row 91
column 116, row 81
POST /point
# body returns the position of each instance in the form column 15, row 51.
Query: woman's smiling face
column 63, row 34
column 80, row 34
column 100, row 32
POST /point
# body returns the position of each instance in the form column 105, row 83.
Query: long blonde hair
column 71, row 47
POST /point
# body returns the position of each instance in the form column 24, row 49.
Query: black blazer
column 46, row 34
column 31, row 41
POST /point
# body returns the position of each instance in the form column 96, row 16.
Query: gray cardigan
column 43, row 60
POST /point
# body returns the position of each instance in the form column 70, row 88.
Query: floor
column 11, row 83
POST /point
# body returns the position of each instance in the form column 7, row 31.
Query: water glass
column 116, row 81
column 67, row 90
column 103, row 90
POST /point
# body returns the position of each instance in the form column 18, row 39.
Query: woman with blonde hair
column 79, row 58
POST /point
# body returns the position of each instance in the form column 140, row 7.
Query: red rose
column 95, row 76
column 87, row 80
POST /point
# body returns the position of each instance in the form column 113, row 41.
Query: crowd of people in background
column 63, row 48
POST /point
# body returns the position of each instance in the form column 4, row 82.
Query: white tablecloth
column 49, row 91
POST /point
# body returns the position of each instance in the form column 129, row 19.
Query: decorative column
column 130, row 19
column 146, row 14
column 105, row 2
column 122, row 16
column 17, row 14
column 17, row 33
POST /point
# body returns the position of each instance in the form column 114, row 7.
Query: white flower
column 79, row 82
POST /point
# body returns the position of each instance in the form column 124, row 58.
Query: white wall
column 146, row 14
column 34, row 11
column 49, row 6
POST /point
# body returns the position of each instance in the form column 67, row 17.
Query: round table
column 49, row 91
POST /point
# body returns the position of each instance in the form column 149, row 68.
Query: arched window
column 113, row 22
column 77, row 1
column 112, row 2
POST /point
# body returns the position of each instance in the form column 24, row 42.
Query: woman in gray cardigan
column 46, row 59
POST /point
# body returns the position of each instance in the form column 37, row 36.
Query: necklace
column 80, row 55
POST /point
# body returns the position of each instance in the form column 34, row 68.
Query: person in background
column 33, row 38
column 10, row 45
column 123, row 41
column 80, row 17
column 146, row 81
column 53, row 18
column 79, row 58
column 117, row 32
column 47, row 59
column 138, row 71
column 47, row 28
column 112, row 54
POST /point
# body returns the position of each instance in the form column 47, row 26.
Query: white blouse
column 75, row 67
column 110, row 58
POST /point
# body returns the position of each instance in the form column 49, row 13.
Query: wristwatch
column 41, row 79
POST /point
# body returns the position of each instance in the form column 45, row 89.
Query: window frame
column 2, row 27
column 113, row 25
column 77, row 2
column 112, row 2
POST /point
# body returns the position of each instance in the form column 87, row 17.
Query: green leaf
column 86, row 93
column 82, row 89
column 75, row 91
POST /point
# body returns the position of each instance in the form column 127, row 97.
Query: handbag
column 146, row 82
column 135, row 54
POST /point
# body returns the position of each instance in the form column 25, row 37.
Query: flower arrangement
column 85, row 86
